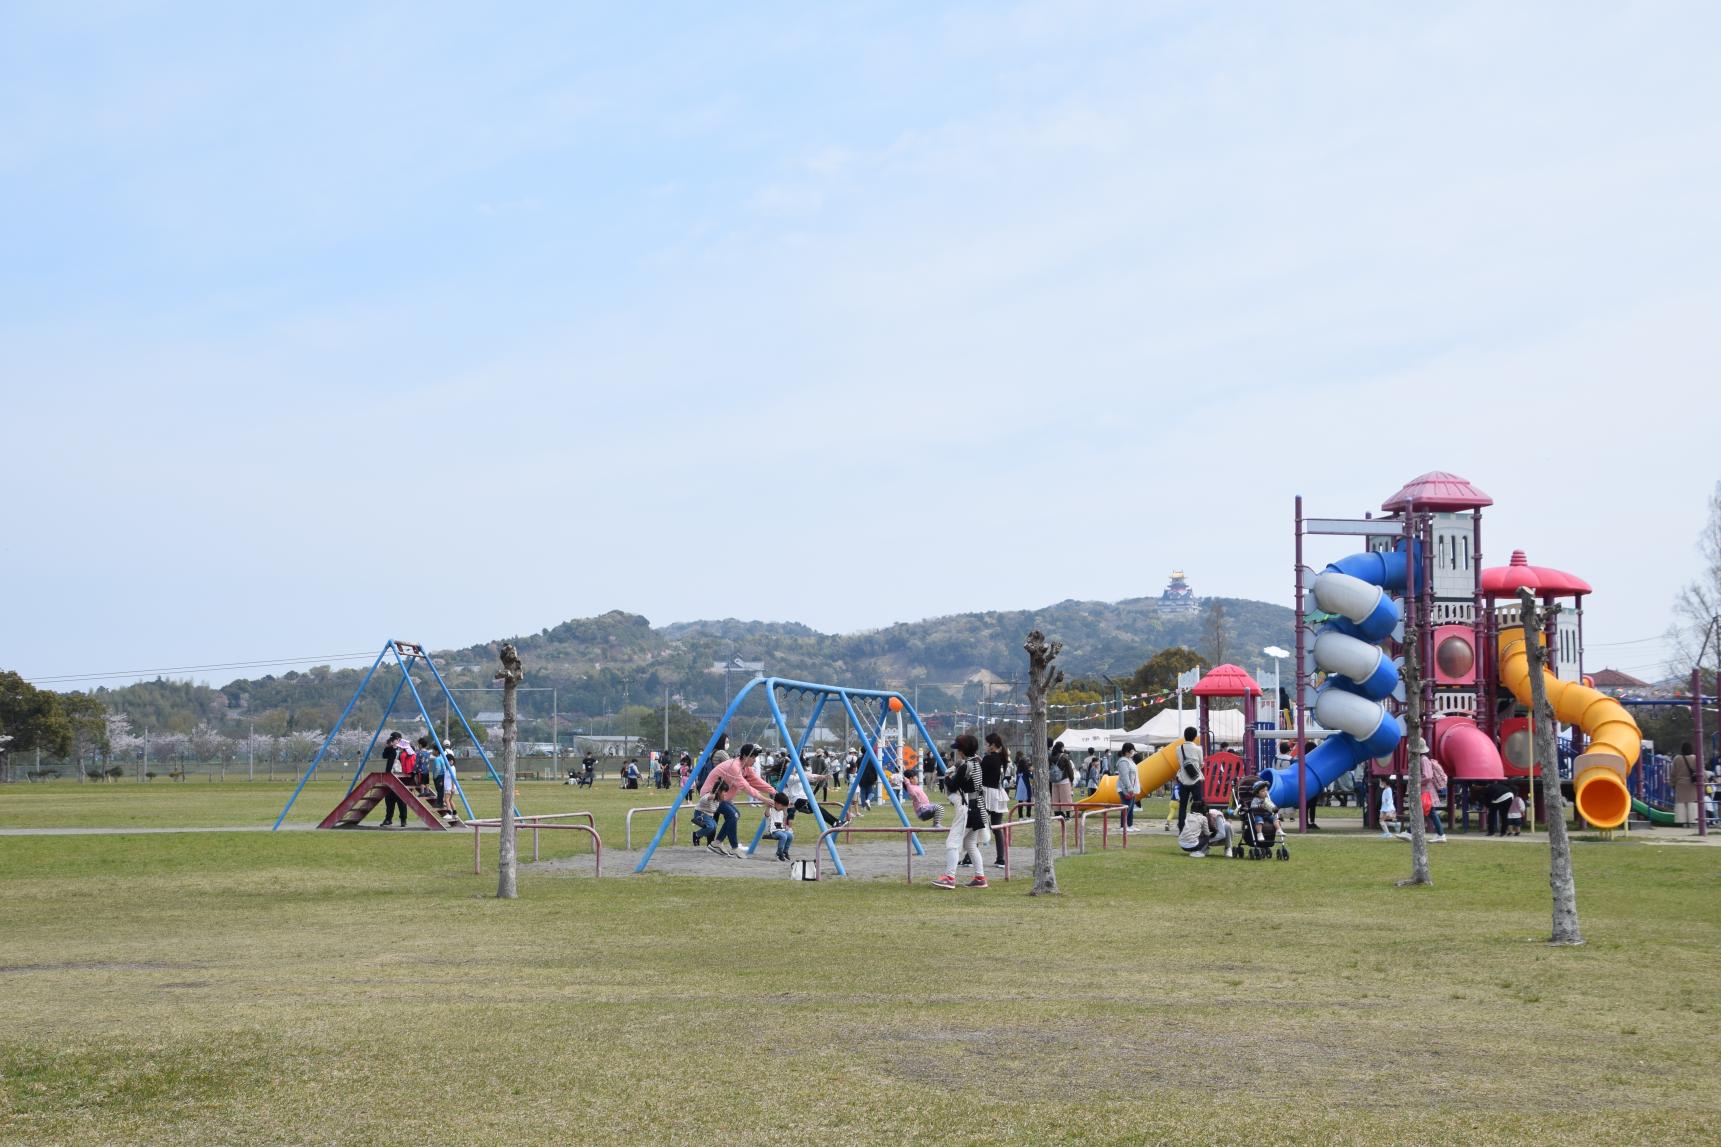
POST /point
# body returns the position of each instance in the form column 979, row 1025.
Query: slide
column 1154, row 771
column 1466, row 752
column 1598, row 774
column 1660, row 816
column 1360, row 675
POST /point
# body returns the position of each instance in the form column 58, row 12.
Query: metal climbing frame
column 404, row 654
column 853, row 703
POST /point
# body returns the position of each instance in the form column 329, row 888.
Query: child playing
column 1390, row 826
column 705, row 815
column 1515, row 815
column 777, row 824
column 924, row 808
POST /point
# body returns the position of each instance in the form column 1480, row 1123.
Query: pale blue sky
column 726, row 282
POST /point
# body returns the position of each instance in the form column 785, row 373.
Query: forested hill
column 599, row 664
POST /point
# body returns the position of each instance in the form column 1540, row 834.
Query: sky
column 322, row 324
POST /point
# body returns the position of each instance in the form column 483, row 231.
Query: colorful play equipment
column 366, row 790
column 1427, row 553
column 1159, row 767
column 858, row 708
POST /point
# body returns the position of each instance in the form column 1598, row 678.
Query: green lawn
column 364, row 988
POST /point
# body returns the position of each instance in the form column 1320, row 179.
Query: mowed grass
column 365, row 988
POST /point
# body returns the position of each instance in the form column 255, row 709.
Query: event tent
column 1162, row 728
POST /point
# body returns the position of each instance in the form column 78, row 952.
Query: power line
column 1634, row 641
column 224, row 665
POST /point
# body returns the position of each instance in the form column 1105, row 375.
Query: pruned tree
column 510, row 676
column 1565, row 889
column 1697, row 607
column 1214, row 626
column 1042, row 677
column 1416, row 749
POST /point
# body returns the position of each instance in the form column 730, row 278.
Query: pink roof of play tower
column 1503, row 581
column 1227, row 681
column 1438, row 491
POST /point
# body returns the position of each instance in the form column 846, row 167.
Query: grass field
column 364, row 988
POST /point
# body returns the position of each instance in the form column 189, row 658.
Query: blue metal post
column 329, row 740
column 795, row 749
column 386, row 713
column 895, row 800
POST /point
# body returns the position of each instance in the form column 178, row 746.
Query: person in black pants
column 391, row 766
column 1190, row 774
column 1496, row 798
column 992, row 768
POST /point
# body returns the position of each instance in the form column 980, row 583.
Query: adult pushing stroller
column 1263, row 836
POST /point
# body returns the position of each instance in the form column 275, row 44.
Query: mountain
column 598, row 665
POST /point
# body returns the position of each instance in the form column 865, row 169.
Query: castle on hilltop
column 1178, row 597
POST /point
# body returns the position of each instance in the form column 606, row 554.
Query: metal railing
column 1063, row 822
column 537, row 824
column 627, row 828
column 1103, row 814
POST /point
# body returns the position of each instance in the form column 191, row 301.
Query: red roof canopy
column 1503, row 581
column 1437, row 490
column 1226, row 681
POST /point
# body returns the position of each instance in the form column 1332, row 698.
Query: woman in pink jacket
column 739, row 774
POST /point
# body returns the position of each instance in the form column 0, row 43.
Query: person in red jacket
column 738, row 773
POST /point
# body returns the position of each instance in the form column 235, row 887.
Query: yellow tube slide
column 1614, row 740
column 1154, row 772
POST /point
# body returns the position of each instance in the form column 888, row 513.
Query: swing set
column 857, row 707
column 405, row 655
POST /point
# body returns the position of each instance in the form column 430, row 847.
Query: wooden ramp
column 368, row 793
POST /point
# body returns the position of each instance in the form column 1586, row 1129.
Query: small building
column 1616, row 684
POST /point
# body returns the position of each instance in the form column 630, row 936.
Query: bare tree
column 1697, row 608
column 1214, row 623
column 1417, row 750
column 1042, row 677
column 1564, row 888
column 510, row 675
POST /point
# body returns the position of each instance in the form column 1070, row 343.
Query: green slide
column 1652, row 814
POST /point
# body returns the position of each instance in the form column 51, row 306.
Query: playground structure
column 873, row 741
column 367, row 789
column 1159, row 767
column 1427, row 551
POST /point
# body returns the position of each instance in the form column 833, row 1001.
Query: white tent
column 1162, row 728
column 1081, row 740
column 1167, row 725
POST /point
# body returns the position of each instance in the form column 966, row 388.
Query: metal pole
column 1302, row 685
column 1697, row 745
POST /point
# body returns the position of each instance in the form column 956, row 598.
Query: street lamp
column 1275, row 652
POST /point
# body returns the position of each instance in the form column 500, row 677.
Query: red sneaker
column 978, row 882
column 944, row 882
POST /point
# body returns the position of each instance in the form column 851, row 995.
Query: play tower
column 1421, row 565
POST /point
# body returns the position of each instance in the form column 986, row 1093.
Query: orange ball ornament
column 896, row 704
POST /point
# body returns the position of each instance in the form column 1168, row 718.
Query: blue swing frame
column 869, row 733
column 404, row 654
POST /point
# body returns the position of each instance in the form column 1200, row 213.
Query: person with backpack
column 1190, row 774
column 970, row 826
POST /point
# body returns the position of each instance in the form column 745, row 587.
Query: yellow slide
column 1614, row 740
column 1154, row 772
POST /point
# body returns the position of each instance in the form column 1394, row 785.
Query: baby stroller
column 1261, row 837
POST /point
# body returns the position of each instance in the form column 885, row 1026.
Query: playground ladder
column 368, row 793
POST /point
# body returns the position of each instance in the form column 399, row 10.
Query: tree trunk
column 1416, row 749
column 1042, row 676
column 507, row 862
column 1560, row 880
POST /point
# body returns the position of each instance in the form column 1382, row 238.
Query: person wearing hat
column 1263, row 813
